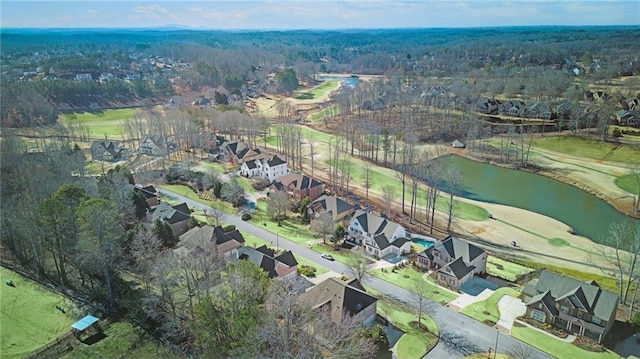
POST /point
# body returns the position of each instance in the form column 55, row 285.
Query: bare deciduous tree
column 323, row 225
column 278, row 204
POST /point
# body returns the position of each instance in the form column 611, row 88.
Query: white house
column 378, row 235
column 270, row 168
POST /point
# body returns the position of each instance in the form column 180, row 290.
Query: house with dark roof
column 106, row 150
column 581, row 308
column 234, row 150
column 279, row 266
column 156, row 145
column 177, row 216
column 539, row 110
column 455, row 261
column 628, row 118
column 379, row 235
column 269, row 167
column 487, row 106
column 340, row 298
column 298, row 186
column 514, row 108
column 150, row 194
column 340, row 210
column 226, row 244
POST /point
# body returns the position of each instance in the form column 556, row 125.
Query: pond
column 588, row 215
column 347, row 81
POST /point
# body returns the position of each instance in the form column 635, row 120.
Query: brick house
column 283, row 266
column 298, row 186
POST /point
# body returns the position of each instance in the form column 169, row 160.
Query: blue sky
column 315, row 14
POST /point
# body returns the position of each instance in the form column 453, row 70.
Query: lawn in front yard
column 413, row 278
column 290, row 228
column 29, row 315
column 414, row 343
column 555, row 347
column 487, row 311
column 189, row 193
column 506, row 270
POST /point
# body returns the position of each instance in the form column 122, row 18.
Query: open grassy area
column 341, row 255
column 188, row 192
column 122, row 341
column 555, row 347
column 606, row 282
column 414, row 343
column 101, row 123
column 327, row 111
column 580, row 147
column 29, row 315
column 627, row 183
column 290, row 228
column 414, row 277
column 487, row 311
column 506, row 270
column 317, row 91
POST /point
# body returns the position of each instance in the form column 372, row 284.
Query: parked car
column 246, row 216
column 328, row 257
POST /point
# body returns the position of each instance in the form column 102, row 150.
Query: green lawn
column 327, row 111
column 606, row 282
column 317, row 91
column 100, row 123
column 506, row 270
column 435, row 293
column 290, row 228
column 122, row 341
column 555, row 347
column 487, row 310
column 414, row 343
column 341, row 255
column 29, row 315
column 580, row 147
column 627, row 183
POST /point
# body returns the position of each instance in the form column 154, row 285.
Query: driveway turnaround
column 510, row 308
column 465, row 299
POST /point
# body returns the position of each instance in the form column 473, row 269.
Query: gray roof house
column 581, row 308
column 455, row 261
column 339, row 209
column 177, row 216
column 225, row 243
column 108, row 151
column 379, row 235
column 283, row 265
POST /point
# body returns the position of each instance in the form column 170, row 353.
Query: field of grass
column 487, row 310
column 627, row 183
column 557, row 348
column 435, row 293
column 341, row 255
column 102, row 123
column 29, row 315
column 414, row 343
column 122, row 341
column 327, row 111
column 606, row 282
column 580, row 147
column 188, row 192
column 501, row 268
column 317, row 91
column 289, row 229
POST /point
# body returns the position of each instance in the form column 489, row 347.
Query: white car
column 328, row 257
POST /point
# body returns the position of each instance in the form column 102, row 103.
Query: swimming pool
column 424, row 242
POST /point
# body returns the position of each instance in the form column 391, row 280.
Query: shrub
column 229, row 228
column 307, row 271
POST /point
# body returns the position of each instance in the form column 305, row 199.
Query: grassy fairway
column 29, row 315
column 317, row 91
column 434, row 292
column 506, row 270
column 555, row 347
column 580, row 147
column 487, row 311
column 100, row 124
column 414, row 343
column 627, row 183
column 327, row 111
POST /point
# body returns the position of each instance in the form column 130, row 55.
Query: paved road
column 460, row 335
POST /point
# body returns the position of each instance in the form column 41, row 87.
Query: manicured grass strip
column 580, row 147
column 434, row 292
column 555, row 347
column 327, row 111
column 317, row 91
column 414, row 343
column 100, row 123
column 627, row 183
column 341, row 255
column 606, row 282
column 506, row 270
column 487, row 311
column 29, row 315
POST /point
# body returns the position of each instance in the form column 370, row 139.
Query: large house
column 177, row 216
column 150, row 194
column 380, row 236
column 298, row 186
column 340, row 298
column 226, row 244
column 340, row 210
column 456, row 261
column 628, row 118
column 514, row 108
column 270, row 168
column 156, row 146
column 283, row 266
column 539, row 110
column 582, row 308
column 108, row 151
column 488, row 106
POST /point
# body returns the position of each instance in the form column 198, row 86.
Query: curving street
column 460, row 335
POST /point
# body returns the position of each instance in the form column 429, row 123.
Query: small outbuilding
column 457, row 144
column 83, row 326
